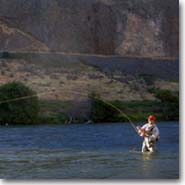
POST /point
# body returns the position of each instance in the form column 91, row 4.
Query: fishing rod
column 93, row 97
column 120, row 111
column 25, row 97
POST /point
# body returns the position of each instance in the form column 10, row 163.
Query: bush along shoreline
column 166, row 108
column 19, row 104
column 27, row 111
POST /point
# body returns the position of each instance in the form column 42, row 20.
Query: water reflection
column 147, row 156
column 149, row 167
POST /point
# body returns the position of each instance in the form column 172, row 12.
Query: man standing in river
column 150, row 132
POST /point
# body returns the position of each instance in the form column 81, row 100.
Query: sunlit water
column 86, row 151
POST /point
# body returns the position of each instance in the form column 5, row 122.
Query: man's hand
column 141, row 131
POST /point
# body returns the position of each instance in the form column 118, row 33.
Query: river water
column 82, row 151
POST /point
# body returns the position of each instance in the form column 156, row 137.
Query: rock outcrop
column 130, row 27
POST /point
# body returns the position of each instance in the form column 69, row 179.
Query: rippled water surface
column 86, row 151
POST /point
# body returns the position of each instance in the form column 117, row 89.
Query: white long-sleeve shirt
column 153, row 129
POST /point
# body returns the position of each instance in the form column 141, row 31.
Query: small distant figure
column 150, row 133
column 69, row 121
column 89, row 122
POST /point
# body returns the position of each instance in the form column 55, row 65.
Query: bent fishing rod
column 120, row 111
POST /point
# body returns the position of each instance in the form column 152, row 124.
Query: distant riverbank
column 136, row 110
column 135, row 86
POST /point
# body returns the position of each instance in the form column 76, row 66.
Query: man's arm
column 141, row 130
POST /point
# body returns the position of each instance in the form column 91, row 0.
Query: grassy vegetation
column 139, row 110
column 53, row 105
column 51, row 111
column 165, row 108
column 136, row 110
column 57, row 118
column 101, row 112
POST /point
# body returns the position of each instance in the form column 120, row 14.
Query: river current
column 101, row 151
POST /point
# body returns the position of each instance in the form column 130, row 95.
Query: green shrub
column 170, row 103
column 102, row 112
column 18, row 104
column 165, row 96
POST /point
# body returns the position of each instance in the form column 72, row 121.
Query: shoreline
column 103, row 123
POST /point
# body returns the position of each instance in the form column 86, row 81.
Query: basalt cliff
column 145, row 28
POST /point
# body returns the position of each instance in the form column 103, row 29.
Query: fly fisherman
column 150, row 132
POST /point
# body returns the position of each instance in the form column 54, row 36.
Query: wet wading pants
column 148, row 145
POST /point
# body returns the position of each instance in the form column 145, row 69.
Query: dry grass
column 76, row 81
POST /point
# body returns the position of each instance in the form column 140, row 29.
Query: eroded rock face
column 141, row 37
column 17, row 40
column 129, row 27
